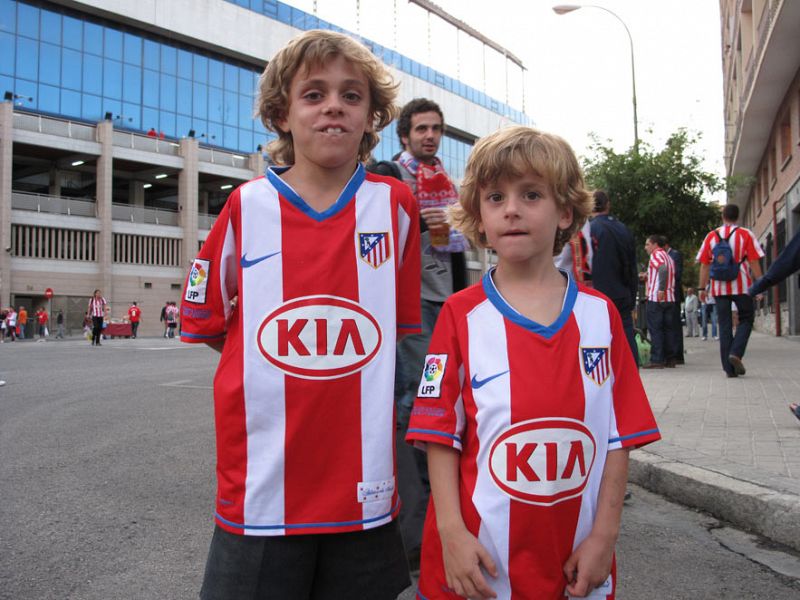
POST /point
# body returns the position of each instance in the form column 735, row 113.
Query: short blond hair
column 512, row 153
column 310, row 50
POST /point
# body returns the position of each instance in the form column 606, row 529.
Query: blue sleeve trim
column 632, row 435
column 404, row 326
column 200, row 336
column 434, row 432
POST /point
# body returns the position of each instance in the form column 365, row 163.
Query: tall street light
column 562, row 9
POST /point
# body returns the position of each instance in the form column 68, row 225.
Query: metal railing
column 59, row 205
column 220, row 157
column 53, row 126
column 205, row 221
column 145, row 143
column 141, row 214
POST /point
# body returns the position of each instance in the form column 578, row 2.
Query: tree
column 660, row 192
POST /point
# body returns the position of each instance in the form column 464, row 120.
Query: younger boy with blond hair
column 305, row 282
column 530, row 398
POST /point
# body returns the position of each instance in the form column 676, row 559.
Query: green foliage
column 659, row 192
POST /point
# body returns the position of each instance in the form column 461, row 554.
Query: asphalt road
column 106, row 487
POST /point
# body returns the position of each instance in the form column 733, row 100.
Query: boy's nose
column 333, row 105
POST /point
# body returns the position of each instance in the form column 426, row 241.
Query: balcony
column 54, row 126
column 141, row 214
column 58, row 205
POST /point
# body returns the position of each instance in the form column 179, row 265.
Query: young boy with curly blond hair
column 530, row 399
column 304, row 284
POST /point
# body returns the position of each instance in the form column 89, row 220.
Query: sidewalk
column 730, row 447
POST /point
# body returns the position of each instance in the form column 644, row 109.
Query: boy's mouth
column 514, row 232
column 333, row 129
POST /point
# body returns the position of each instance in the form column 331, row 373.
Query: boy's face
column 520, row 218
column 329, row 111
column 424, row 137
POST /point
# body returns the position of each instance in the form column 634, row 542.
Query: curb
column 772, row 511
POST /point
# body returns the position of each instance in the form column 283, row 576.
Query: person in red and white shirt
column 746, row 252
column 530, row 398
column 660, row 294
column 97, row 312
column 307, row 279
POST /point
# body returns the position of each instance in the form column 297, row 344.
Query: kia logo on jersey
column 319, row 337
column 543, row 461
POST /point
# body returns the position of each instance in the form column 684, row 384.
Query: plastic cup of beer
column 440, row 235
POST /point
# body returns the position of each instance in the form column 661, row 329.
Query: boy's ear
column 566, row 217
column 282, row 125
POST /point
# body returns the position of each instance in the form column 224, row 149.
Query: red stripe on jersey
column 657, row 258
column 321, row 447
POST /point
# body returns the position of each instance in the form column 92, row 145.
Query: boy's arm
column 590, row 564
column 463, row 554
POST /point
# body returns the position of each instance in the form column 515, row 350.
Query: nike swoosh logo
column 249, row 263
column 479, row 383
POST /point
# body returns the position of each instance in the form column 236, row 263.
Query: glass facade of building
column 74, row 66
column 79, row 67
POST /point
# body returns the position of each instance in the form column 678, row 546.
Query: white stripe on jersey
column 264, row 388
column 594, row 325
column 377, row 379
column 488, row 358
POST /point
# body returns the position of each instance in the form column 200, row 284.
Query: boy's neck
column 318, row 187
column 535, row 290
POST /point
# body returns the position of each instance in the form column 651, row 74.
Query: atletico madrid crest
column 596, row 364
column 374, row 248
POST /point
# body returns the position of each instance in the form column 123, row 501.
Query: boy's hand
column 463, row 556
column 589, row 566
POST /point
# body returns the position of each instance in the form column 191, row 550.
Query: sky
column 578, row 77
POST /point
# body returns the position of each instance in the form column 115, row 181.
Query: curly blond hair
column 512, row 153
column 310, row 50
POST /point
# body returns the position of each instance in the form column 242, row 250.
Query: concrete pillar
column 257, row 164
column 188, row 186
column 105, row 177
column 136, row 193
column 55, row 182
column 203, row 207
column 6, row 149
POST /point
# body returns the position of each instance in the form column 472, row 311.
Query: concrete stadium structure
column 125, row 123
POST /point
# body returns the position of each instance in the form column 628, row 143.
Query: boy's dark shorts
column 369, row 564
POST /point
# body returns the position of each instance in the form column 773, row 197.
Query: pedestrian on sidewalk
column 690, row 306
column 22, row 321
column 728, row 255
column 660, row 292
column 614, row 264
column 677, row 330
column 96, row 311
column 42, row 318
column 60, row 325
column 11, row 323
column 134, row 316
column 708, row 314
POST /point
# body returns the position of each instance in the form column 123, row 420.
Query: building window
column 786, row 138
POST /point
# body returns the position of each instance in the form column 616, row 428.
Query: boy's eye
column 352, row 97
column 532, row 195
column 494, row 197
column 312, row 96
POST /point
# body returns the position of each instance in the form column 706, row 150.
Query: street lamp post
column 562, row 9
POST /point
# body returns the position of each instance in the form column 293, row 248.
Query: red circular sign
column 48, row 293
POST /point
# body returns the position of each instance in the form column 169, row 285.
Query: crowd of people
column 14, row 324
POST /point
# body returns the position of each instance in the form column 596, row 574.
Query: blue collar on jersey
column 284, row 189
column 546, row 331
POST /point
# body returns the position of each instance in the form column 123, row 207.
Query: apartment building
column 761, row 62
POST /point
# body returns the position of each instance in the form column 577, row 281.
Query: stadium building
column 124, row 124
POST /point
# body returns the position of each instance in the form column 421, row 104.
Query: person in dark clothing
column 614, row 263
column 677, row 330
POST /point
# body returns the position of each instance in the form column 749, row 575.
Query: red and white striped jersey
column 97, row 307
column 745, row 248
column 534, row 410
column 657, row 258
column 303, row 394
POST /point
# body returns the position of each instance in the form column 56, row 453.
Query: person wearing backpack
column 727, row 257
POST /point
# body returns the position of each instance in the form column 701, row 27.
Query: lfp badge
column 198, row 281
column 431, row 384
column 374, row 248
